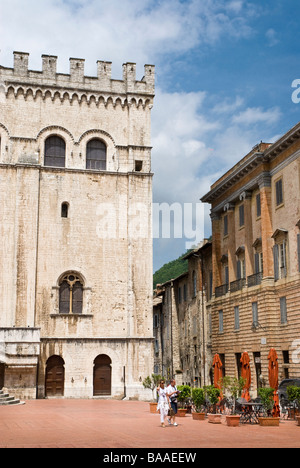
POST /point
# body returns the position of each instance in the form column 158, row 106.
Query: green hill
column 170, row 270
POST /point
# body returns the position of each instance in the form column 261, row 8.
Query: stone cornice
column 251, row 162
column 66, row 94
column 233, row 177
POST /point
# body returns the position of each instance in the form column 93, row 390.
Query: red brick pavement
column 96, row 423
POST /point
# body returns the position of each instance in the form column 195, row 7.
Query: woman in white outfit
column 163, row 402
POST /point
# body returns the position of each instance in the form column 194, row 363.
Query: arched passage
column 55, row 376
column 102, row 375
column 2, row 372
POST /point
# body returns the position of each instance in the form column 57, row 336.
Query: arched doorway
column 102, row 375
column 55, row 377
column 2, row 372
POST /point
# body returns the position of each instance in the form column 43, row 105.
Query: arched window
column 70, row 294
column 55, row 152
column 96, row 155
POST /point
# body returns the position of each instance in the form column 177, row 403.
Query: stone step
column 9, row 402
column 5, row 399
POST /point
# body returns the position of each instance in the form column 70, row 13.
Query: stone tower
column 76, row 230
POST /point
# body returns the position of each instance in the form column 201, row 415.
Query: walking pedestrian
column 163, row 402
column 172, row 393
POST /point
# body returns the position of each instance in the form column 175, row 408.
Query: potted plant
column 293, row 394
column 213, row 395
column 152, row 383
column 266, row 395
column 198, row 397
column 183, row 396
column 234, row 387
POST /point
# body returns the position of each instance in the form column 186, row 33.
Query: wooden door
column 102, row 375
column 55, row 377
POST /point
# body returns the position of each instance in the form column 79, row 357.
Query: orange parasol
column 273, row 380
column 217, row 365
column 246, row 374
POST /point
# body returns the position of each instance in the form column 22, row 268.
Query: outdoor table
column 250, row 412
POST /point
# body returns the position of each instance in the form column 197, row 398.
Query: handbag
column 171, row 412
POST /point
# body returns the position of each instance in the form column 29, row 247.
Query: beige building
column 255, row 212
column 76, row 230
column 181, row 324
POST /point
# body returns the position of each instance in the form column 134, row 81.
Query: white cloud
column 115, row 30
column 272, row 37
column 179, row 130
column 251, row 116
column 192, row 144
column 227, row 106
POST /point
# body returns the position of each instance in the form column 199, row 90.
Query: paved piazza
column 95, row 423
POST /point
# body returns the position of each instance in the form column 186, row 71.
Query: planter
column 214, row 418
column 153, row 407
column 181, row 412
column 298, row 420
column 198, row 416
column 233, row 420
column 269, row 421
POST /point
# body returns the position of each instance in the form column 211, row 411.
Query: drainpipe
column 203, row 318
column 172, row 361
column 124, row 376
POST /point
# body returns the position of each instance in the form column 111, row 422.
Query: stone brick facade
column 256, row 260
column 181, row 323
column 104, row 237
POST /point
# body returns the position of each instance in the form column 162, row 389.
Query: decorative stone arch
column 2, row 127
column 4, row 140
column 106, row 138
column 60, row 132
column 71, row 272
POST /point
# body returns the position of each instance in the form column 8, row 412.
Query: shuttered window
column 226, row 225
column 255, row 314
column 237, row 318
column 283, row 310
column 70, row 295
column 279, row 192
column 242, row 215
column 258, row 206
column 55, row 152
column 221, row 324
column 96, row 155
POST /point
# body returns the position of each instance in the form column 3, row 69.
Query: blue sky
column 224, row 71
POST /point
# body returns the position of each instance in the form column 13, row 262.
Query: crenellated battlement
column 76, row 79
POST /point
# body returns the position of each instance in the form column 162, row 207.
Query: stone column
column 266, row 224
column 230, row 208
column 249, row 257
column 216, row 250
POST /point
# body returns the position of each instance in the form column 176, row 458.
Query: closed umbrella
column 273, row 380
column 217, row 365
column 246, row 374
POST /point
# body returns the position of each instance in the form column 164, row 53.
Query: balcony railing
column 254, row 280
column 222, row 290
column 237, row 285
